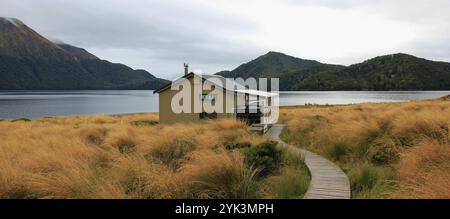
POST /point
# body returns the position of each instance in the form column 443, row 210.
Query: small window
column 208, row 97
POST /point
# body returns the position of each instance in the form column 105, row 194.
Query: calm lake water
column 35, row 104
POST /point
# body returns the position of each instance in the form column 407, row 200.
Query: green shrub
column 265, row 156
column 382, row 155
column 233, row 145
column 21, row 120
column 144, row 123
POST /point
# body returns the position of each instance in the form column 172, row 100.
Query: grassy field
column 135, row 157
column 388, row 150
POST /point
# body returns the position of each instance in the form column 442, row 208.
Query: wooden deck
column 328, row 181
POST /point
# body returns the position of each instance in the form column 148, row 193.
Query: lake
column 35, row 104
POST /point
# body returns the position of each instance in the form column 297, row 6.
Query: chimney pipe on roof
column 186, row 68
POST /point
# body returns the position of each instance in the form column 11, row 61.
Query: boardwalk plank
column 328, row 181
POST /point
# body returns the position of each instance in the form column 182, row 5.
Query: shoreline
column 307, row 105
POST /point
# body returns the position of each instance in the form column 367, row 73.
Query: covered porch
column 255, row 108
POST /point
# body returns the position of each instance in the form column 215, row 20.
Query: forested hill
column 389, row 72
column 30, row 61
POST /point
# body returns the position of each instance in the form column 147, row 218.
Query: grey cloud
column 160, row 35
column 429, row 18
column 159, row 30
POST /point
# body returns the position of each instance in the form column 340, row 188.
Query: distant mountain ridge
column 271, row 64
column 30, row 61
column 390, row 72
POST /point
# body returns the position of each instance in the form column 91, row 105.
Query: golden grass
column 424, row 171
column 219, row 175
column 410, row 139
column 117, row 157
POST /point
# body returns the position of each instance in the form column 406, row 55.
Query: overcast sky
column 214, row 35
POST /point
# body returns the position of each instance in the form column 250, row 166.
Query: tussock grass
column 387, row 149
column 132, row 156
column 220, row 175
column 115, row 157
column 172, row 154
column 424, row 170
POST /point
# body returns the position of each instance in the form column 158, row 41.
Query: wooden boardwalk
column 328, row 181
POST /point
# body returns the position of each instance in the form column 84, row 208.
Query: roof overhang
column 257, row 93
column 209, row 78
